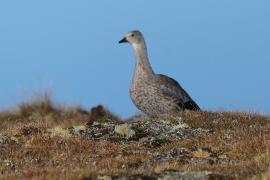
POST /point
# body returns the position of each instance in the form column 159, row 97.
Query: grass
column 238, row 144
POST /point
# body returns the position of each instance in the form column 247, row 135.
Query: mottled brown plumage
column 152, row 93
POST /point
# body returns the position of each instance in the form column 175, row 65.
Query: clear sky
column 219, row 51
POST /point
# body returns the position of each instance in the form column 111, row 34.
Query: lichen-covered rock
column 97, row 130
column 170, row 175
column 139, row 129
column 78, row 129
column 8, row 139
column 3, row 139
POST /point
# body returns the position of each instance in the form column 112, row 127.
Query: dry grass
column 239, row 144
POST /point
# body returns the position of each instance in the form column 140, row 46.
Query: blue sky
column 217, row 50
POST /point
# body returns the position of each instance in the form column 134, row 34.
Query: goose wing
column 171, row 88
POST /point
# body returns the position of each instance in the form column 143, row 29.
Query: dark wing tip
column 191, row 105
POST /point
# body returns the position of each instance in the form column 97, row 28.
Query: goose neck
column 142, row 60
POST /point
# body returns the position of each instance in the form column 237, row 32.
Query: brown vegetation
column 236, row 145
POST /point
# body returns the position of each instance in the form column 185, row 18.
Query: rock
column 170, row 175
column 140, row 129
column 153, row 141
column 10, row 164
column 3, row 139
column 77, row 130
column 8, row 139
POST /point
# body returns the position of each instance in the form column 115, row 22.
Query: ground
column 39, row 140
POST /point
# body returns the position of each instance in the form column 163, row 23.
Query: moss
column 58, row 131
column 125, row 130
column 201, row 153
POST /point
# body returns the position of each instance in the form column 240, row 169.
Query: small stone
column 6, row 139
column 10, row 164
column 3, row 139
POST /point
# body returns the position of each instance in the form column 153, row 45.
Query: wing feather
column 171, row 88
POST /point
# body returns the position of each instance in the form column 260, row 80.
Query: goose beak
column 124, row 40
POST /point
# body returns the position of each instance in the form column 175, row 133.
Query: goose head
column 133, row 37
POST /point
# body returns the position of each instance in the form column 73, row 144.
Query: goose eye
column 132, row 35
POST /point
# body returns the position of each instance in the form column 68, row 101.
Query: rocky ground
column 40, row 141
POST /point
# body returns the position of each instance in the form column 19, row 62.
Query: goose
column 154, row 94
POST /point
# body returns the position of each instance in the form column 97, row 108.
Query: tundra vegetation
column 41, row 140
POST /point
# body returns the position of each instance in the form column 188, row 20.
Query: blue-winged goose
column 152, row 93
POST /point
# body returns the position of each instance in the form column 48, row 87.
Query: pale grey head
column 133, row 37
